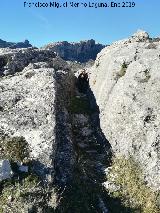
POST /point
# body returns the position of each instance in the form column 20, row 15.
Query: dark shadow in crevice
column 64, row 157
column 114, row 205
column 95, row 121
column 78, row 181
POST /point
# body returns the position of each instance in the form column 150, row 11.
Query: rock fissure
column 85, row 193
column 70, row 166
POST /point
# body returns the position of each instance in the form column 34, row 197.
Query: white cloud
column 44, row 21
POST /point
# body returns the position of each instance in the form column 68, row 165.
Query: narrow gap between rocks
column 86, row 193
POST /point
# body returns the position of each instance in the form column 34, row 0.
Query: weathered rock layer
column 125, row 82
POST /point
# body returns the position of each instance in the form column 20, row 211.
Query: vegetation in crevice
column 127, row 183
column 17, row 191
column 25, row 191
column 122, row 71
column 147, row 76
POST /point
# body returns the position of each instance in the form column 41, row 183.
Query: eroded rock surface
column 125, row 82
column 33, row 104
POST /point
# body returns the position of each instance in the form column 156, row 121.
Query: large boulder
column 125, row 82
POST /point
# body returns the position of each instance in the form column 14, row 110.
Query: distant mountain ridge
column 82, row 51
column 13, row 45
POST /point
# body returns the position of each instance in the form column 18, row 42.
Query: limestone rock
column 125, row 82
column 29, row 111
column 81, row 52
column 12, row 61
column 22, row 168
column 5, row 170
column 141, row 35
column 33, row 104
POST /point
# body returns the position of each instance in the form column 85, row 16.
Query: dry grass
column 14, row 194
column 132, row 190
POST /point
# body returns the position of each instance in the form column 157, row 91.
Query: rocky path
column 86, row 194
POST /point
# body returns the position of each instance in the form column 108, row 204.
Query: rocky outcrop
column 54, row 141
column 81, row 52
column 12, row 61
column 33, row 104
column 5, row 44
column 35, row 90
column 125, row 82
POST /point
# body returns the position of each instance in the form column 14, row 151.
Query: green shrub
column 131, row 187
column 122, row 71
column 15, row 149
column 13, row 194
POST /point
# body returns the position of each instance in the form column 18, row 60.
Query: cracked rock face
column 125, row 82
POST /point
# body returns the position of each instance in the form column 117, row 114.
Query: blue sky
column 41, row 26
